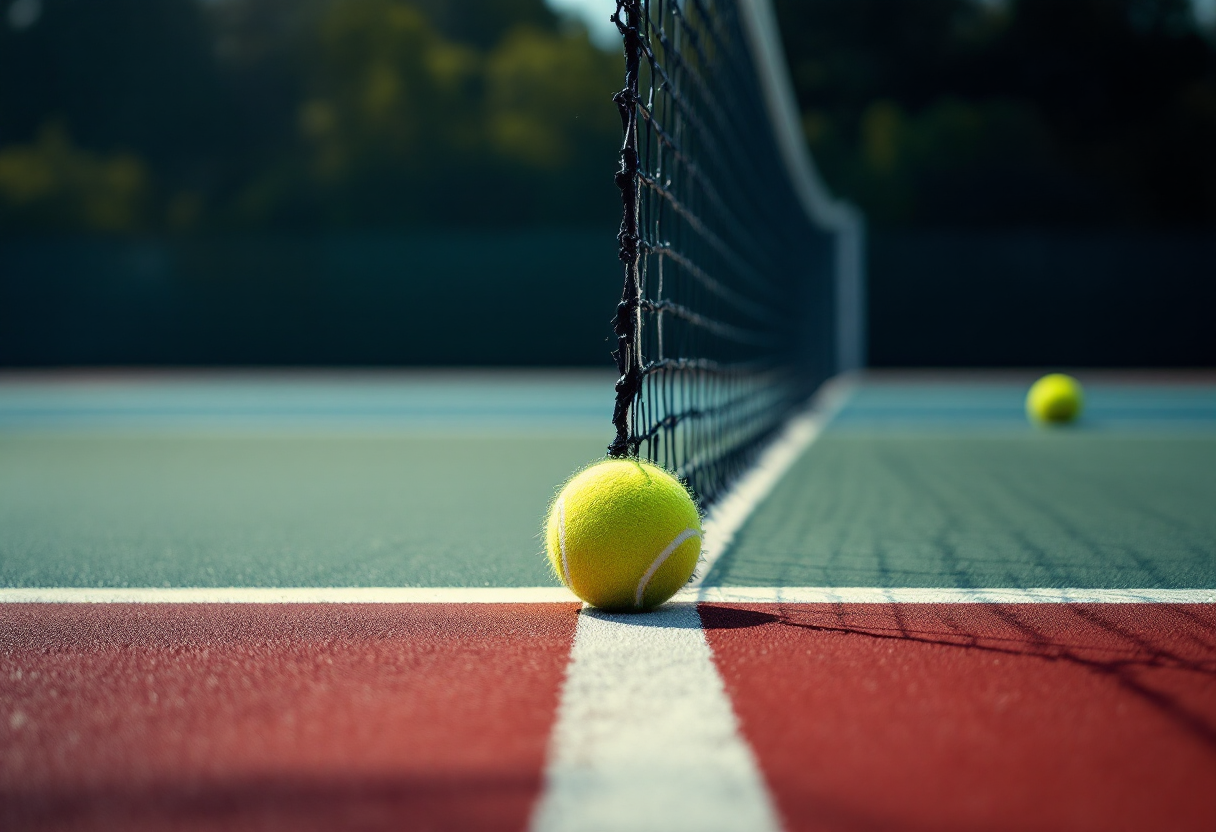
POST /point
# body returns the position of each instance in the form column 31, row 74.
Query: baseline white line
column 727, row 516
column 916, row 595
column 646, row 738
column 555, row 595
column 289, row 595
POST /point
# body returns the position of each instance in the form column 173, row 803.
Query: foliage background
column 180, row 116
column 193, row 115
column 430, row 181
column 1046, row 113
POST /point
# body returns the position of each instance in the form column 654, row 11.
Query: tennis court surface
column 308, row 601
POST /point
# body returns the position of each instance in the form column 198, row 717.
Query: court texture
column 319, row 601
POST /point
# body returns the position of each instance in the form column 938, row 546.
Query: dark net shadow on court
column 1164, row 656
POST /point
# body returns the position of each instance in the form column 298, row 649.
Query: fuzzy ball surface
column 623, row 535
column 1054, row 399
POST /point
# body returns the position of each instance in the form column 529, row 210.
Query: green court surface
column 316, row 511
column 1037, row 510
column 939, row 481
column 442, row 480
column 397, row 480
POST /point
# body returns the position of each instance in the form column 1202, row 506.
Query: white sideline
column 288, row 595
column 553, row 595
column 645, row 736
column 918, row 595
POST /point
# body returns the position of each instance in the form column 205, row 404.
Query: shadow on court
column 1144, row 650
column 277, row 802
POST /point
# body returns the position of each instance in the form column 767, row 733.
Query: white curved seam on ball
column 561, row 541
column 681, row 538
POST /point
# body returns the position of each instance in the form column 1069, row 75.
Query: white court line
column 290, row 595
column 918, row 595
column 646, row 738
column 554, row 595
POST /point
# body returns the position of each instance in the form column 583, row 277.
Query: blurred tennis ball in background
column 623, row 535
column 1054, row 399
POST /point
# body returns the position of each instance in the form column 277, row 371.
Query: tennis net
column 742, row 276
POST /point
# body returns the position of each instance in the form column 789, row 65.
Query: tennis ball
column 1054, row 399
column 623, row 535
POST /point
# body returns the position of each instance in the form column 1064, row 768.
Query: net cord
column 764, row 42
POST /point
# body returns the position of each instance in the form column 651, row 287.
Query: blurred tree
column 549, row 118
column 137, row 78
column 52, row 182
column 482, row 23
column 391, row 110
column 258, row 114
column 1030, row 112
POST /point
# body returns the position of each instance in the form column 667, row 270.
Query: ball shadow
column 714, row 617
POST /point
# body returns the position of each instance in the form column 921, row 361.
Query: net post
column 851, row 293
column 625, row 324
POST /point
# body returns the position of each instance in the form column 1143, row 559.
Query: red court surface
column 966, row 717
column 421, row 716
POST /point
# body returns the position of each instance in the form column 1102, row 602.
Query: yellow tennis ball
column 623, row 535
column 1054, row 399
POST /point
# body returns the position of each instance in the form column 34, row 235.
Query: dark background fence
column 546, row 298
column 1042, row 298
column 536, row 297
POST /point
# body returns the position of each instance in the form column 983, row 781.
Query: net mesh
column 724, row 326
